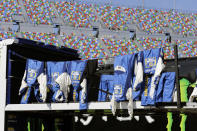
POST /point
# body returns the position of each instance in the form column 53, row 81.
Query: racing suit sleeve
column 130, row 104
column 138, row 72
column 83, row 91
column 113, row 104
column 155, row 78
column 23, row 84
column 42, row 80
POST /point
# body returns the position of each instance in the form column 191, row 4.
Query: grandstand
column 148, row 20
column 76, row 15
column 57, row 23
column 89, row 48
column 121, row 47
column 48, row 39
column 8, row 8
column 39, row 12
column 112, row 17
column 7, row 35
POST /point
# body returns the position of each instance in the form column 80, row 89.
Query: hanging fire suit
column 153, row 66
column 166, row 87
column 123, row 75
column 79, row 84
column 106, row 84
column 58, row 81
column 137, row 80
column 34, row 77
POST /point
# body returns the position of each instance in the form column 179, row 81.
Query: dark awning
column 187, row 68
column 39, row 51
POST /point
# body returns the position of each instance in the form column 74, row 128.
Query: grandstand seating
column 82, row 15
column 120, row 47
column 186, row 48
column 88, row 48
column 182, row 24
column 9, row 8
column 149, row 43
column 113, row 17
column 149, row 20
column 169, row 52
column 6, row 35
column 194, row 18
column 39, row 11
column 48, row 39
column 133, row 46
column 77, row 15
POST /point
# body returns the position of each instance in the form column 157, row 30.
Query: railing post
column 177, row 77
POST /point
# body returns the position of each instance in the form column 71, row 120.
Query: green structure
column 184, row 84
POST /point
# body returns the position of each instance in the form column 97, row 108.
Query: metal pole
column 174, row 4
column 177, row 78
column 143, row 4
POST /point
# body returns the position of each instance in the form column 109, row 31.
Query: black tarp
column 40, row 51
